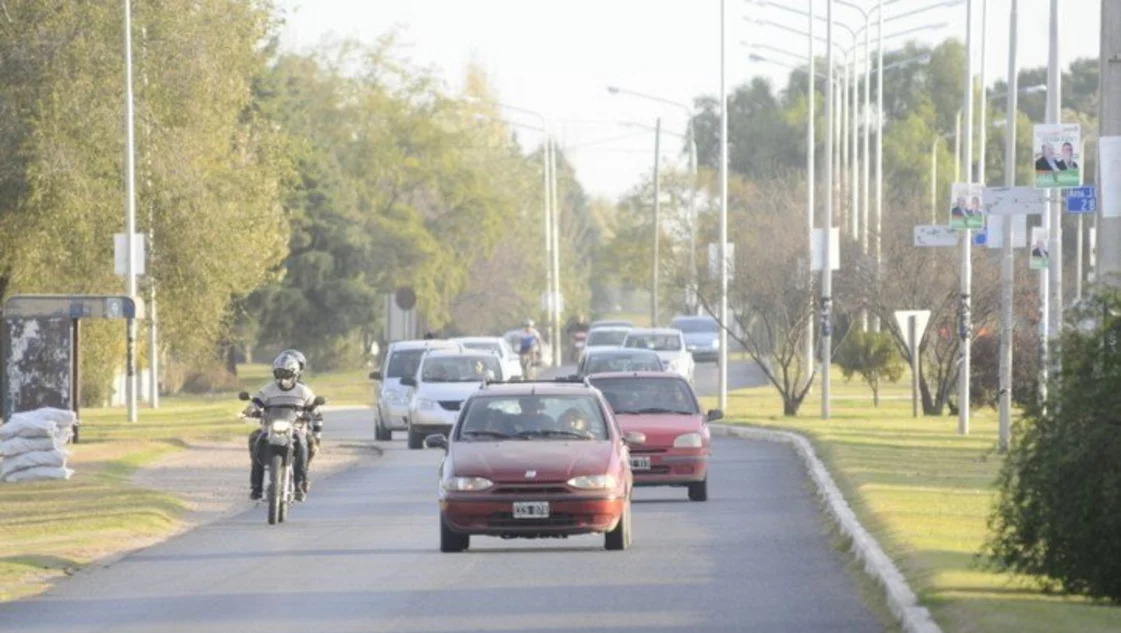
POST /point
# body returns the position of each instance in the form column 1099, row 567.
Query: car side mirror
column 319, row 401
column 436, row 440
column 375, row 375
column 634, row 438
column 715, row 414
column 408, row 381
column 243, row 396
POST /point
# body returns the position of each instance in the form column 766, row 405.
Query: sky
column 557, row 58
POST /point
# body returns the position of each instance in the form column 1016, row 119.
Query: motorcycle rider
column 317, row 425
column 285, row 390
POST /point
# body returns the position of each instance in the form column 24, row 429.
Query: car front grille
column 530, row 490
column 451, row 405
column 643, row 450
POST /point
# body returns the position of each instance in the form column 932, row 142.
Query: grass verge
column 50, row 529
column 925, row 492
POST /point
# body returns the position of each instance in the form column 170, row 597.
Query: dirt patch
column 212, row 478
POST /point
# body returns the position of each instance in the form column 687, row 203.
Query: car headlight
column 280, row 426
column 689, row 440
column 396, row 398
column 593, row 482
column 466, row 484
column 424, row 403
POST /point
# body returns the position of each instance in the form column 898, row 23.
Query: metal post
column 1054, row 99
column 811, row 167
column 130, row 218
column 964, row 316
column 723, row 371
column 984, row 129
column 934, row 181
column 826, row 269
column 846, row 158
column 1008, row 270
column 1105, row 247
column 153, row 324
column 879, row 156
column 957, row 149
column 657, row 212
column 866, row 172
column 912, row 333
column 547, row 184
column 558, row 346
column 694, row 307
column 854, row 156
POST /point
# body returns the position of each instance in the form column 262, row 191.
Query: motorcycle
column 280, row 424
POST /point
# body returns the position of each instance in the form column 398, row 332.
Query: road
column 362, row 556
column 741, row 374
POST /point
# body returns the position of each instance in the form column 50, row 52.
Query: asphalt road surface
column 741, row 374
column 361, row 555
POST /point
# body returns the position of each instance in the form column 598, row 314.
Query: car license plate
column 531, row 509
column 640, row 463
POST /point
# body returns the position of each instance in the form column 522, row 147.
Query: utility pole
column 558, row 345
column 1008, row 269
column 130, row 217
column 826, row 269
column 657, row 224
column 722, row 376
column 1055, row 115
column 964, row 304
column 153, row 336
column 1108, row 236
column 811, row 122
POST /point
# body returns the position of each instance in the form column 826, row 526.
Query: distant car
column 391, row 398
column 664, row 408
column 499, row 345
column 532, row 460
column 702, row 336
column 444, row 380
column 611, row 323
column 619, row 359
column 604, row 337
column 669, row 344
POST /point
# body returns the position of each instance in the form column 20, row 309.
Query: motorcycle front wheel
column 276, row 492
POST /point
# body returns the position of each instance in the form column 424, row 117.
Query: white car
column 511, row 364
column 391, row 398
column 604, row 337
column 444, row 380
column 669, row 343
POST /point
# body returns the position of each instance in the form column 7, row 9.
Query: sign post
column 912, row 324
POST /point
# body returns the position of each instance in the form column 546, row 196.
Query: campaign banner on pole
column 967, row 210
column 1040, row 259
column 1057, row 153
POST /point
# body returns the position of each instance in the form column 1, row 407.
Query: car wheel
column 620, row 538
column 699, row 491
column 452, row 542
column 381, row 433
column 416, row 441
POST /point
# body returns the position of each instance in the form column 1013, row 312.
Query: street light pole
column 657, row 225
column 826, row 269
column 811, row 168
column 981, row 164
column 1055, row 115
column 558, row 345
column 880, row 156
column 130, row 218
column 1008, row 270
column 964, row 304
column 723, row 371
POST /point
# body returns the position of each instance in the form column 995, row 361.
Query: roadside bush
column 871, row 355
column 984, row 379
column 1058, row 514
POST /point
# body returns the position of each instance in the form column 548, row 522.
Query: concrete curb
column 902, row 601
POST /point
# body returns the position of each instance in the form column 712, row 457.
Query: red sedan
column 535, row 460
column 664, row 408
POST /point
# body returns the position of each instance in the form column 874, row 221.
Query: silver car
column 702, row 336
column 669, row 344
column 391, row 398
column 604, row 337
column 511, row 364
column 443, row 382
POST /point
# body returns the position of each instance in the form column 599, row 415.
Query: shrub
column 871, row 355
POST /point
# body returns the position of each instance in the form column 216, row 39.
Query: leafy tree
column 871, row 355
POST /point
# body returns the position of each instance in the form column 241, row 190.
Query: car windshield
column 606, row 337
column 404, row 363
column 473, row 368
column 608, row 363
column 656, row 342
column 695, row 326
column 648, row 394
column 533, row 417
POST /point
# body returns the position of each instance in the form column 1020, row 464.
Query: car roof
column 621, row 351
column 611, row 328
column 477, row 339
column 655, row 330
column 538, row 388
column 661, row 375
column 415, row 344
column 456, row 353
column 693, row 317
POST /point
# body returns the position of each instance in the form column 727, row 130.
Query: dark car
column 702, row 336
column 597, row 361
column 664, row 408
column 532, row 460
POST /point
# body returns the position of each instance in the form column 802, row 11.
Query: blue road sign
column 1081, row 200
column 980, row 238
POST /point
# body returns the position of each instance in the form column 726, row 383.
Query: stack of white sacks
column 31, row 445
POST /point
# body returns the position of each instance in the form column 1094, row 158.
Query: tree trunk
column 876, row 396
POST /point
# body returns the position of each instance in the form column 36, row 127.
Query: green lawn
column 50, row 528
column 925, row 492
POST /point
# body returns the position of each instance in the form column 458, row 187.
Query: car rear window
column 694, row 326
column 647, row 394
column 466, row 368
column 404, row 363
column 607, row 363
column 656, row 342
column 533, row 417
column 607, row 337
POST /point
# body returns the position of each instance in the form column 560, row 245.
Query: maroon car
column 534, row 460
column 664, row 408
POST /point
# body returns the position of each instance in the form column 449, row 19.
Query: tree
column 871, row 355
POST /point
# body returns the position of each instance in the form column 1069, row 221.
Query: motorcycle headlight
column 593, row 482
column 424, row 403
column 689, row 440
column 466, row 484
column 280, row 426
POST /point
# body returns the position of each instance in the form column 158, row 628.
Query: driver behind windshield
column 533, row 416
column 574, row 420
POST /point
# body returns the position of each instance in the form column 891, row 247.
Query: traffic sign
column 1014, row 200
column 935, row 235
column 405, row 298
column 922, row 317
column 1081, row 200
